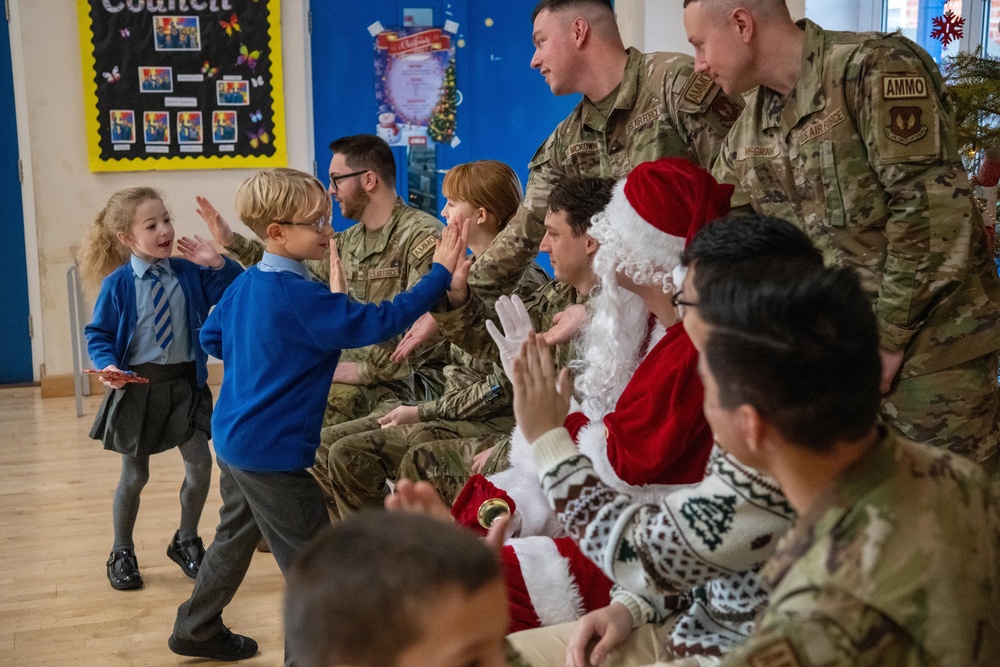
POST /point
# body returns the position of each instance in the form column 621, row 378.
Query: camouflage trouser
column 957, row 408
column 355, row 459
column 347, row 402
column 445, row 463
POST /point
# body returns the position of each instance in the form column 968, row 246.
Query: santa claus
column 640, row 419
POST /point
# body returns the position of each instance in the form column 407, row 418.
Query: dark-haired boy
column 387, row 588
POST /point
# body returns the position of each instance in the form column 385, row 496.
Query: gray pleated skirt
column 144, row 419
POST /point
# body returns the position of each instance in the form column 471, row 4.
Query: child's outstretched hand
column 338, row 279
column 451, row 246
column 200, row 251
column 540, row 404
column 217, row 225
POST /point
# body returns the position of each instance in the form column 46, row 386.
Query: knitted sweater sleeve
column 727, row 523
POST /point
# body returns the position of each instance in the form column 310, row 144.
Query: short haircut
column 760, row 8
column 280, row 195
column 736, row 238
column 798, row 343
column 559, row 5
column 582, row 198
column 487, row 184
column 357, row 592
column 367, row 152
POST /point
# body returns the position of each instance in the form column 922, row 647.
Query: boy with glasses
column 280, row 335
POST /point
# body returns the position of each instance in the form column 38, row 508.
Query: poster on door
column 415, row 86
column 182, row 84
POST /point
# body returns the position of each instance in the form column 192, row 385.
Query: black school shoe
column 226, row 646
column 187, row 553
column 123, row 570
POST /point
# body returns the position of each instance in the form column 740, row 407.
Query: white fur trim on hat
column 641, row 251
column 551, row 586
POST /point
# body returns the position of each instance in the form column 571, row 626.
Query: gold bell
column 491, row 510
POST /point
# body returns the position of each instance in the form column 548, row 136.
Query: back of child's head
column 280, row 195
column 487, row 184
column 101, row 252
column 359, row 591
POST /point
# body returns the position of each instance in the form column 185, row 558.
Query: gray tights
column 194, row 490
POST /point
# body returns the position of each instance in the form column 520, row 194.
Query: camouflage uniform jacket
column 395, row 262
column 898, row 564
column 476, row 387
column 663, row 109
column 862, row 156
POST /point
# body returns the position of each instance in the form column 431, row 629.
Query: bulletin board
column 182, row 84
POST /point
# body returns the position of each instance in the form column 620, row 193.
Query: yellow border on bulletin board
column 279, row 159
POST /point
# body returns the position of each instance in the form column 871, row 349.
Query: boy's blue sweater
column 280, row 337
column 115, row 313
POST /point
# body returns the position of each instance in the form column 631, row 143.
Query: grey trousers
column 287, row 508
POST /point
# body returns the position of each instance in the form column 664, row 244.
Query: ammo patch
column 747, row 152
column 423, row 247
column 583, row 147
column 697, row 88
column 903, row 87
column 391, row 272
column 905, row 125
column 823, row 125
column 776, row 654
column 644, row 119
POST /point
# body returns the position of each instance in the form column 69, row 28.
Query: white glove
column 516, row 325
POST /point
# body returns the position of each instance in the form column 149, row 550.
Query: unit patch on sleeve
column 777, row 654
column 905, row 125
column 423, row 247
column 697, row 88
column 725, row 109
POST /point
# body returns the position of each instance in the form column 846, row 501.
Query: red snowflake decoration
column 947, row 28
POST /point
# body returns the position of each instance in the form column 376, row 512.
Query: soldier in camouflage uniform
column 851, row 137
column 572, row 203
column 385, row 254
column 636, row 107
column 895, row 558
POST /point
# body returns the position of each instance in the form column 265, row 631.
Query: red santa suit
column 654, row 441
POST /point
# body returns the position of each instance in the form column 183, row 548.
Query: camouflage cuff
column 427, row 411
column 364, row 375
column 241, row 247
column 892, row 337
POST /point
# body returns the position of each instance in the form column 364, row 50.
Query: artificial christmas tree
column 442, row 125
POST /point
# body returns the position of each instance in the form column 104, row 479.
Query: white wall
column 61, row 196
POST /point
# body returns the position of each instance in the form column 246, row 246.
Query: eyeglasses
column 680, row 305
column 335, row 179
column 319, row 224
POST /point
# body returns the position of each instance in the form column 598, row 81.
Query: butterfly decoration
column 233, row 24
column 249, row 57
column 257, row 80
column 208, row 70
column 113, row 76
column 259, row 136
column 256, row 116
column 124, row 32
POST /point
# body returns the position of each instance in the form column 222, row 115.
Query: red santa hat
column 655, row 211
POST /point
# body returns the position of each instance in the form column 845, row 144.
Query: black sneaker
column 187, row 553
column 226, row 646
column 123, row 570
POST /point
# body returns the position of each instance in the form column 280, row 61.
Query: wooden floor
column 56, row 606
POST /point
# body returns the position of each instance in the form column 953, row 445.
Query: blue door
column 506, row 110
column 15, row 330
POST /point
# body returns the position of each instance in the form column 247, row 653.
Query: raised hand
column 200, row 251
column 540, row 403
column 452, row 245
column 338, row 279
column 516, row 323
column 217, row 225
column 417, row 498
